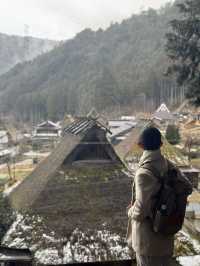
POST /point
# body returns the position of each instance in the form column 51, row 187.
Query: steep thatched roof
column 33, row 185
column 75, row 202
column 163, row 113
column 123, row 148
column 128, row 149
column 192, row 124
column 75, row 141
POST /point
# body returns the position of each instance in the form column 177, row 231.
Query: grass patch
column 3, row 176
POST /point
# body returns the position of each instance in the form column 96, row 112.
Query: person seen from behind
column 158, row 211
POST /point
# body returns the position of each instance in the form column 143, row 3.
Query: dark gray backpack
column 169, row 204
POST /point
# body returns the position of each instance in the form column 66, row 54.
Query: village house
column 47, row 129
column 4, row 139
column 163, row 115
column 72, row 207
column 195, row 114
column 129, row 151
column 46, row 133
column 120, row 128
column 192, row 130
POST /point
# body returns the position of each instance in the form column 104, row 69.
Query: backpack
column 169, row 204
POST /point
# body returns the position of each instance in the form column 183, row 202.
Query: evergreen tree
column 172, row 134
column 183, row 48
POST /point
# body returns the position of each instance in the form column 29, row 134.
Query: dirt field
column 16, row 172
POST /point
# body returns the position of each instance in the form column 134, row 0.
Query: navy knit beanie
column 150, row 139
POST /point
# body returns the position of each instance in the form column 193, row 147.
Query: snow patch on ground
column 189, row 261
column 8, row 190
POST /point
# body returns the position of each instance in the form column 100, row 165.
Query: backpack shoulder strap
column 153, row 170
column 156, row 173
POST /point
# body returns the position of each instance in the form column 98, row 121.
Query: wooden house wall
column 47, row 130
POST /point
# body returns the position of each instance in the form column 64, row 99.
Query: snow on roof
column 125, row 117
column 49, row 123
column 163, row 113
column 163, row 108
column 81, row 246
column 118, row 127
column 45, row 135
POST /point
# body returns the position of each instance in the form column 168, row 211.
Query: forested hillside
column 15, row 49
column 102, row 69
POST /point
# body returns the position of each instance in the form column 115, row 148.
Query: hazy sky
column 62, row 19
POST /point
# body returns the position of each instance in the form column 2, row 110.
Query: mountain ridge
column 96, row 68
column 16, row 49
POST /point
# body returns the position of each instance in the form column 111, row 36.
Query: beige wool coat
column 143, row 240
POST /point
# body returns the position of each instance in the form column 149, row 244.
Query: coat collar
column 149, row 156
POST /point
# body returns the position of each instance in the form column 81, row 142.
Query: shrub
column 172, row 134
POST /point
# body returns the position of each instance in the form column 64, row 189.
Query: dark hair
column 150, row 139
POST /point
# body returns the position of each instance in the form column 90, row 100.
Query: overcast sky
column 62, row 19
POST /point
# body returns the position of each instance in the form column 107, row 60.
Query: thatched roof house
column 163, row 114
column 76, row 197
column 129, row 151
